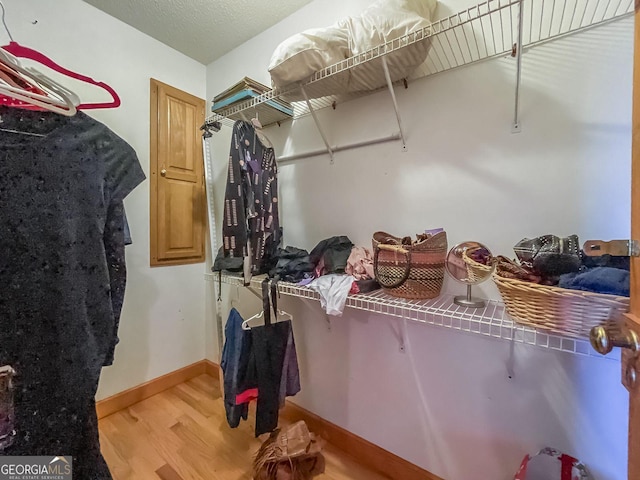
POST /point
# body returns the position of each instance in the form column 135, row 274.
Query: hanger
column 21, row 51
column 25, row 52
column 256, row 121
column 282, row 313
column 34, row 90
column 269, row 289
column 245, row 323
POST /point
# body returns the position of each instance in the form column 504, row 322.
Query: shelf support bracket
column 387, row 76
column 317, row 122
column 403, row 335
column 515, row 128
column 249, row 289
column 328, row 319
column 511, row 372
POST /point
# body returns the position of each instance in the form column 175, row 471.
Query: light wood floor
column 182, row 434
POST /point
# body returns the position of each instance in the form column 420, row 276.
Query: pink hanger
column 25, row 52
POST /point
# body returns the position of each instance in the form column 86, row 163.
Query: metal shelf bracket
column 515, row 128
column 317, row 122
column 387, row 76
column 402, row 336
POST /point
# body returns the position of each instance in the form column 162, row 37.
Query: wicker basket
column 570, row 313
column 476, row 271
column 413, row 271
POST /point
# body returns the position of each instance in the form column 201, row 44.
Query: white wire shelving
column 490, row 29
column 487, row 30
column 490, row 321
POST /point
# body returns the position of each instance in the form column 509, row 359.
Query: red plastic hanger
column 25, row 52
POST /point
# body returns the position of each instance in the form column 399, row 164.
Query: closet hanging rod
column 339, row 148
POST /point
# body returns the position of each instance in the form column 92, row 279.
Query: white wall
column 163, row 318
column 447, row 404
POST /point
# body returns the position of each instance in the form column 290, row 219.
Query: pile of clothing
column 556, row 261
column 334, row 269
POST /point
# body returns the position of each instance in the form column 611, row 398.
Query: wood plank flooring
column 182, row 434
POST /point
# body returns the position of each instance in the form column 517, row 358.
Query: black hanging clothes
column 63, row 273
column 251, row 218
column 270, row 348
column 260, row 364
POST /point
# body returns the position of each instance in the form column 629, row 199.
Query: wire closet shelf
column 490, row 321
column 484, row 31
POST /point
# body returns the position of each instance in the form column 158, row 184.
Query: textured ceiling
column 202, row 29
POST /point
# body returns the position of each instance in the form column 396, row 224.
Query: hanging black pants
column 269, row 347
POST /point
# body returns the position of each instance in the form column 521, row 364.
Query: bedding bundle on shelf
column 297, row 58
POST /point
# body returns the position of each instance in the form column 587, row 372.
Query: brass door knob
column 630, row 375
column 163, row 172
column 603, row 340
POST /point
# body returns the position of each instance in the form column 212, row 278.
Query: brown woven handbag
column 410, row 269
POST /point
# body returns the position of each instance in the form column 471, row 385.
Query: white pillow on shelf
column 303, row 54
column 381, row 22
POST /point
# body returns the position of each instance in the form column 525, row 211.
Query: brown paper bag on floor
column 292, row 453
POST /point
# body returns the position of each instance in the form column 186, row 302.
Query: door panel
column 177, row 170
column 181, row 127
column 178, row 200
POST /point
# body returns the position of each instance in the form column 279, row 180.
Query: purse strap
column 397, row 249
column 269, row 300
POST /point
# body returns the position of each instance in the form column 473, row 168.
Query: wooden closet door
column 178, row 201
column 631, row 358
